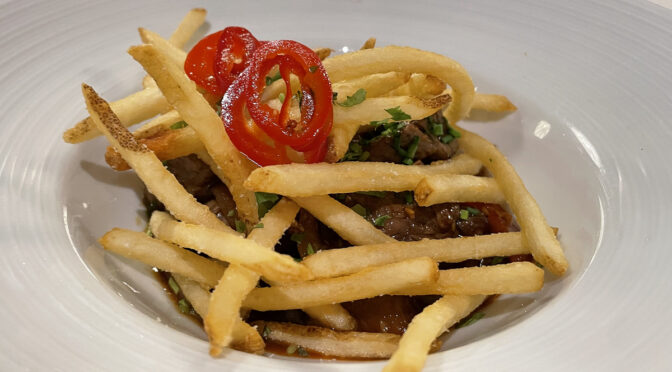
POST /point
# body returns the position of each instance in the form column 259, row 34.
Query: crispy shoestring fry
column 158, row 124
column 245, row 337
column 457, row 188
column 425, row 327
column 181, row 92
column 191, row 22
column 344, row 261
column 299, row 180
column 421, row 86
column 537, row 234
column 369, row 43
column 158, row 180
column 375, row 85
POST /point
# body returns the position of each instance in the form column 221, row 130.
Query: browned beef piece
column 386, row 314
column 314, row 233
column 194, row 175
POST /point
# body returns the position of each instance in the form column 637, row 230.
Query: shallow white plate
column 591, row 139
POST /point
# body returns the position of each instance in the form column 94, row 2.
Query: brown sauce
column 164, row 278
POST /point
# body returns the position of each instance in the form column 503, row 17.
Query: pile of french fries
column 223, row 286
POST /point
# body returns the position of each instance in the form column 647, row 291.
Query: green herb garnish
column 291, row 349
column 271, row 79
column 149, row 232
column 398, row 114
column 471, row 320
column 266, row 332
column 447, row 139
column 355, row 99
column 231, row 213
column 265, row 201
column 240, row 227
column 454, row 132
column 380, row 221
column 408, row 197
column 297, row 237
column 473, row 211
column 464, row 214
column 281, row 97
column 184, row 306
column 259, row 226
column 179, row 125
column 309, row 249
column 312, row 68
column 496, row 260
column 173, row 285
column 413, row 147
column 302, row 352
column 436, row 129
column 360, row 210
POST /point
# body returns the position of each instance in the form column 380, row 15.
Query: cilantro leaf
column 265, row 201
column 380, row 221
column 355, row 99
column 179, row 125
column 266, row 332
column 240, row 227
column 360, row 210
column 464, row 214
column 309, row 249
column 471, row 320
column 271, row 79
column 398, row 114
column 173, row 285
column 297, row 237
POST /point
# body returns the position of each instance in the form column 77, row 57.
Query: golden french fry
column 158, row 124
column 165, row 256
column 421, row 86
column 181, row 92
column 298, row 180
column 332, row 343
column 538, row 235
column 174, row 54
column 348, row 120
column 335, row 262
column 369, row 43
column 427, row 326
column 148, row 82
column 228, row 247
column 130, row 110
column 151, row 171
column 245, row 337
column 237, row 281
column 375, row 85
column 168, row 145
column 322, row 53
column 456, row 188
column 492, row 103
column 333, row 316
column 515, row 277
column 343, row 220
column 404, row 59
column 191, row 22
column 370, row 282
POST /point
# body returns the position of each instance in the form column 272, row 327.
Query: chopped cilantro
column 413, row 147
column 354, row 152
column 407, row 161
column 266, row 332
column 358, row 97
column 408, row 197
column 447, row 139
column 291, row 349
column 179, row 125
column 259, row 226
column 302, row 352
column 173, row 285
column 297, row 237
column 360, row 210
column 240, row 227
column 265, row 201
column 464, row 214
column 231, row 213
column 398, row 114
column 471, row 320
column 378, row 194
column 453, row 132
column 312, row 68
column 271, row 79
column 281, row 97
column 436, row 129
column 365, row 156
column 184, row 306
column 473, row 211
column 309, row 249
column 380, row 221
column 496, row 260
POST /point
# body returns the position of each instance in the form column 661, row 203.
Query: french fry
column 165, row 256
column 515, row 277
column 404, row 59
column 537, row 234
column 298, row 180
column 238, row 281
column 245, row 337
column 181, row 92
column 174, row 54
column 168, row 145
column 228, row 247
column 332, row 343
column 343, row 220
column 148, row 82
column 158, row 124
column 369, row 43
column 492, row 103
column 191, row 22
column 158, row 180
column 375, row 85
column 333, row 316
column 130, row 110
column 348, row 120
column 427, row 326
column 456, row 188
column 370, row 282
column 421, row 86
column 344, row 261
column 322, row 53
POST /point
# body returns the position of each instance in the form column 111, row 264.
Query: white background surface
column 592, row 138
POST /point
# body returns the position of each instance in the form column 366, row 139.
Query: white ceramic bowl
column 591, row 139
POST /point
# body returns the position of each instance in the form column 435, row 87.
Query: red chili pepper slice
column 219, row 58
column 498, row 218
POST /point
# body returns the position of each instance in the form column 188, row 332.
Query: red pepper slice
column 498, row 218
column 219, row 58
